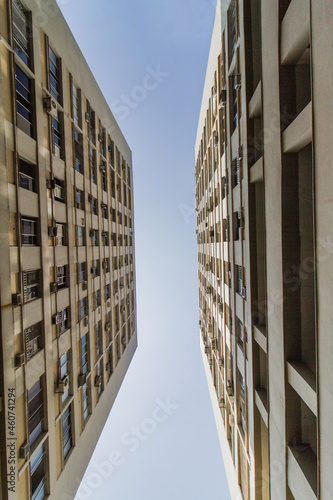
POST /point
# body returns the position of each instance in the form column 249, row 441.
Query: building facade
column 67, row 268
column 264, row 203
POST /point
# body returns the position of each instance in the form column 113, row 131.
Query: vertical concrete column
column 273, row 210
column 322, row 69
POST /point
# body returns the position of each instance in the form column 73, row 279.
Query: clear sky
column 125, row 41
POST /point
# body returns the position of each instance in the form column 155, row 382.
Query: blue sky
column 126, row 42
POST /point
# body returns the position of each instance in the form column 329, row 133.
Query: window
column 59, row 190
column 109, row 364
column 234, row 103
column 111, row 150
column 31, row 286
column 99, row 346
column 27, row 175
column 80, row 236
column 104, row 180
column 92, row 165
column 99, row 372
column 21, row 32
column 35, row 411
column 95, row 268
column 79, row 199
column 107, row 291
column 38, row 469
column 85, row 401
column 94, row 206
column 239, row 331
column 78, row 151
column 62, row 276
column 76, row 105
column 97, row 299
column 84, row 354
column 57, row 135
column 101, row 138
column 24, row 102
column 90, row 119
column 33, row 340
column 29, row 231
column 232, row 29
column 238, row 222
column 61, row 235
column 242, row 402
column 105, row 238
column 118, row 161
column 113, row 189
column 64, row 371
column 83, row 308
column 54, row 75
column 67, row 441
column 104, row 208
column 118, row 355
column 63, row 320
column 82, row 271
column 106, row 265
column 239, row 278
column 93, row 233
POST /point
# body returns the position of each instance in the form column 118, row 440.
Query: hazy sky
column 149, row 58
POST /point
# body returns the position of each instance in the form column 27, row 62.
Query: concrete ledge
column 255, row 103
column 295, row 31
column 303, row 381
column 257, row 171
column 299, row 133
column 259, row 334
column 302, row 474
column 260, row 397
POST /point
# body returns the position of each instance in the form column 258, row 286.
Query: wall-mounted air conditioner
column 63, row 384
column 24, row 450
column 50, row 106
column 82, row 379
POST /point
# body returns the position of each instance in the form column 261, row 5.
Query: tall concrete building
column 67, row 268
column 264, row 183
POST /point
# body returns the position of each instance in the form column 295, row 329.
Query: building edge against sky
column 67, row 270
column 265, row 243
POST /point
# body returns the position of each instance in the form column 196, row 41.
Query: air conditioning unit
column 230, row 389
column 98, row 381
column 229, row 275
column 216, row 140
column 53, row 287
column 208, row 290
column 63, row 384
column 52, row 231
column 50, row 106
column 84, row 285
column 24, row 450
column 108, row 303
column 107, row 365
column 109, row 149
column 50, row 183
column 85, row 321
column 19, row 359
column 55, row 319
column 82, row 379
column 206, row 349
column 214, row 344
column 221, row 403
column 221, row 362
column 16, row 299
column 123, row 167
column 231, row 420
column 100, row 137
column 90, row 197
column 87, row 117
column 104, row 264
column 223, row 97
column 225, row 234
column 243, row 292
column 91, row 232
column 237, row 81
column 221, row 307
column 107, row 326
column 102, row 167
